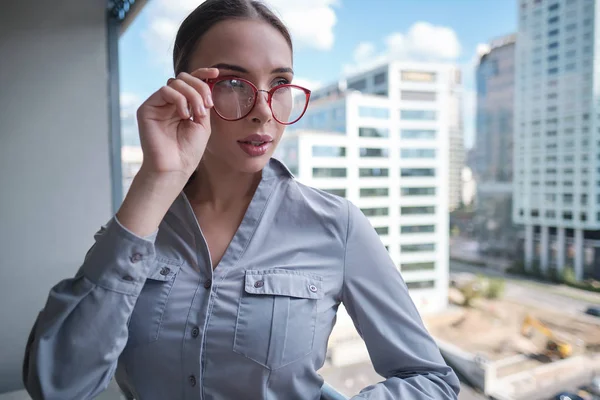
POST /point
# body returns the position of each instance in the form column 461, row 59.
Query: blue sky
column 332, row 38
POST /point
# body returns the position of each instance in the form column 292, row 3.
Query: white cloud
column 310, row 22
column 165, row 16
column 481, row 49
column 128, row 100
column 364, row 52
column 422, row 42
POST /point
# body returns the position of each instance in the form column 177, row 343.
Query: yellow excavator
column 555, row 348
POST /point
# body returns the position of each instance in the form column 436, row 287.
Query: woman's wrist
column 148, row 200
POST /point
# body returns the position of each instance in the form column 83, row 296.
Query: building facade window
column 417, row 191
column 423, row 266
column 417, row 153
column 417, row 229
column 337, row 192
column 418, row 76
column 420, row 285
column 374, row 192
column 410, row 172
column 361, row 84
column 424, row 134
column 417, row 210
column 329, row 172
column 328, row 151
column 417, row 95
column 373, row 172
column 375, row 211
column 380, row 78
column 373, row 112
column 373, row 132
column 417, row 248
column 418, row 115
column 382, row 230
column 374, row 152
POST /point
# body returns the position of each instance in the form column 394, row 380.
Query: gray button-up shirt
column 153, row 313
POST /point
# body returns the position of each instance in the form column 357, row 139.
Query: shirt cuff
column 151, row 237
column 120, row 260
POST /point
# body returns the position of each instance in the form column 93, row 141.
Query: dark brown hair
column 211, row 12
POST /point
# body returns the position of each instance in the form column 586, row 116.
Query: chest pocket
column 277, row 316
column 145, row 321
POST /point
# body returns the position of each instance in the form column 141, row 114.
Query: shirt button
column 259, row 284
column 165, row 271
column 313, row 288
column 128, row 278
column 195, row 332
column 136, row 258
column 207, row 284
column 192, row 380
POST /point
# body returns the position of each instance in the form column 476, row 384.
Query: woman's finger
column 172, row 96
column 194, row 99
column 205, row 73
column 200, row 86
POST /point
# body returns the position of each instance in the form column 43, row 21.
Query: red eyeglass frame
column 212, row 82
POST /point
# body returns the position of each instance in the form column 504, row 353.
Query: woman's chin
column 254, row 164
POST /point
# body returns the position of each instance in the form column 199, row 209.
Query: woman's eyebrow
column 237, row 68
column 231, row 67
column 283, row 70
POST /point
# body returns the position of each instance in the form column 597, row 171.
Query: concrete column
column 560, row 250
column 544, row 249
column 578, row 254
column 528, row 246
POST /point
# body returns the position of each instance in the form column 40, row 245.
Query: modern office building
column 492, row 154
column 382, row 139
column 556, row 140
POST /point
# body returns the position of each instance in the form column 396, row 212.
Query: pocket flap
column 164, row 269
column 284, row 283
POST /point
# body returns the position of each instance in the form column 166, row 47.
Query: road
column 537, row 293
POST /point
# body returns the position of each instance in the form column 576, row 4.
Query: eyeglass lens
column 233, row 99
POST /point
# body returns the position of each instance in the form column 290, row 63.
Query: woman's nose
column 262, row 111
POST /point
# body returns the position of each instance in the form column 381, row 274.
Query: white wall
column 55, row 188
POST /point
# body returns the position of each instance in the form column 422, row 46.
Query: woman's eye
column 235, row 83
column 281, row 81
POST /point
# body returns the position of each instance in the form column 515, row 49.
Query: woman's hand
column 174, row 128
column 174, row 124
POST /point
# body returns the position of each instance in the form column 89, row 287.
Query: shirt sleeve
column 377, row 300
column 75, row 343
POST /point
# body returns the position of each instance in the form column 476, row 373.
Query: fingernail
column 202, row 110
column 209, row 100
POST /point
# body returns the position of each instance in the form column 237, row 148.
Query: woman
column 220, row 275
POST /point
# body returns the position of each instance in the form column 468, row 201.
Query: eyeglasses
column 234, row 98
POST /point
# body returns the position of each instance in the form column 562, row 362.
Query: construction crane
column 555, row 348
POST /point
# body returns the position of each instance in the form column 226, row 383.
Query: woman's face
column 255, row 51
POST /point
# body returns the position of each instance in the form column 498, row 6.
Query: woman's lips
column 255, row 148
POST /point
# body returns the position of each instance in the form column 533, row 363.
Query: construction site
column 506, row 349
column 512, row 350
